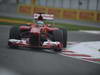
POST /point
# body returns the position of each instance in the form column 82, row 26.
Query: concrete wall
column 66, row 4
column 83, row 4
column 93, row 5
column 8, row 6
column 98, row 7
column 72, row 4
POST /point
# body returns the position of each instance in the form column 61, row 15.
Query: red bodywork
column 35, row 29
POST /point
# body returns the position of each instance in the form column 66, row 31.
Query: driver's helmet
column 40, row 23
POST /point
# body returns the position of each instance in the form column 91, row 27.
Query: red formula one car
column 38, row 35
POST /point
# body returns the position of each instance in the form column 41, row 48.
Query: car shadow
column 50, row 51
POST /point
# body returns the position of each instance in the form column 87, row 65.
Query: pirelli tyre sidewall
column 14, row 34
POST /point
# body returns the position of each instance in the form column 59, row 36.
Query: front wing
column 46, row 44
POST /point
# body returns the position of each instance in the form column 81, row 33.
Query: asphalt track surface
column 42, row 62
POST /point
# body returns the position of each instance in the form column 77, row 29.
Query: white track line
column 80, row 58
column 73, row 52
column 91, row 32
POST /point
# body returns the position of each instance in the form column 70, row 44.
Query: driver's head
column 40, row 23
column 40, row 20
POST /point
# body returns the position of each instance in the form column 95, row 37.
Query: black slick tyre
column 58, row 36
column 14, row 34
column 64, row 37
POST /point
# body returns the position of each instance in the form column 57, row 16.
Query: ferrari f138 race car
column 38, row 35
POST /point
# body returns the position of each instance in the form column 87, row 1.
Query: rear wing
column 45, row 16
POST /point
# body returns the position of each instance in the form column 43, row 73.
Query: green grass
column 61, row 25
column 19, row 19
column 76, row 27
column 6, row 23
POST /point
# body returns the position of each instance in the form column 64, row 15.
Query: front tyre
column 14, row 34
column 58, row 36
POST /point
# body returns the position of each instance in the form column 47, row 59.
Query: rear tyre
column 64, row 37
column 58, row 36
column 14, row 34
